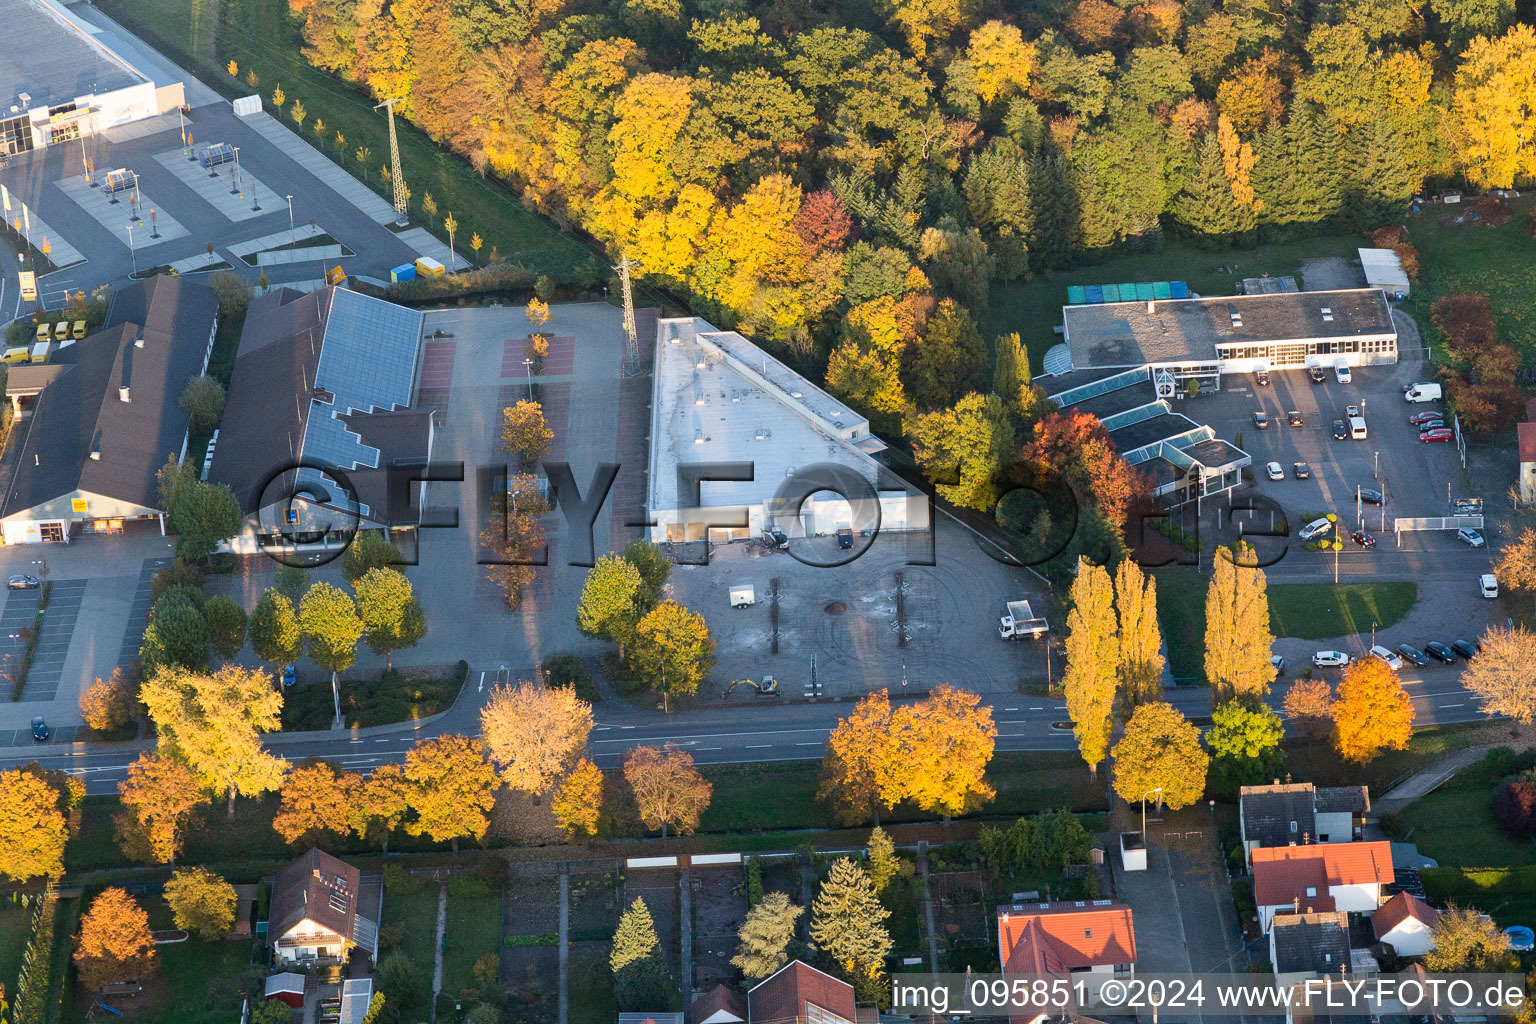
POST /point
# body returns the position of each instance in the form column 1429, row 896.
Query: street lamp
column 528, row 366
column 132, row 251
column 1154, row 789
column 290, row 217
column 1373, row 634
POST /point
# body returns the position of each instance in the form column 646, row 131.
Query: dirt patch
column 719, row 905
column 660, row 891
column 1325, row 273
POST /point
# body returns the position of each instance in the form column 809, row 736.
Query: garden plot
column 719, row 905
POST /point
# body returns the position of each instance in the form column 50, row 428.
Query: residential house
column 1525, row 437
column 1294, row 814
column 1308, row 947
column 1406, row 923
column 314, row 915
column 1348, row 877
column 106, row 414
column 798, row 993
column 1090, row 941
column 720, row 1005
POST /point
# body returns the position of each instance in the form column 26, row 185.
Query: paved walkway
column 321, row 166
column 234, row 192
column 115, row 211
column 565, row 945
column 276, row 238
column 437, row 947
column 1423, row 783
column 60, row 253
column 299, row 255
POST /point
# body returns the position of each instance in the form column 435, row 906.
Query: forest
column 844, row 180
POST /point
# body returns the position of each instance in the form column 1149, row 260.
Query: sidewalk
column 1427, row 781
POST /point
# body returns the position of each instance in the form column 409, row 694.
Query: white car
column 1342, row 373
column 1489, row 585
column 1316, row 528
column 1274, row 471
column 1388, row 656
column 1330, row 659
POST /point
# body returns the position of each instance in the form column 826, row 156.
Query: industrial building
column 58, row 82
column 718, row 400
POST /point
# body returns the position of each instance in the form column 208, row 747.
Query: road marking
column 384, row 740
column 1061, row 707
column 482, row 681
column 758, row 746
column 1037, row 709
column 1451, row 705
column 601, row 728
column 809, row 743
column 356, row 739
column 626, row 727
column 1010, row 709
column 702, row 749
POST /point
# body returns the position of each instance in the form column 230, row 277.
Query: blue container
column 1094, row 293
column 1179, row 289
column 404, row 272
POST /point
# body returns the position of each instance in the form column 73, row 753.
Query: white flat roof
column 720, row 398
column 1383, row 269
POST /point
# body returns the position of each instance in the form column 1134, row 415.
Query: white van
column 1316, row 528
column 1422, row 393
column 1357, row 427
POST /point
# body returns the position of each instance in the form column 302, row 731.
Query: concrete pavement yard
column 228, row 189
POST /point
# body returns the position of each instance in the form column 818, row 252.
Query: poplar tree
column 883, row 862
column 765, row 936
column 1237, row 636
column 1093, row 661
column 639, row 975
column 1011, row 377
column 1141, row 641
column 848, row 921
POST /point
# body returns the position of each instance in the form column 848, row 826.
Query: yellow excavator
column 769, row 687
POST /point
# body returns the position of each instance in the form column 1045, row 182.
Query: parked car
column 1316, row 528
column 1351, row 411
column 1466, row 506
column 1469, row 536
column 1488, row 583
column 1261, row 421
column 21, row 581
column 1318, row 374
column 1413, row 654
column 1302, row 470
column 1424, row 417
column 1443, row 435
column 1294, row 417
column 290, row 676
column 1261, row 379
column 1274, row 471
column 1388, row 656
column 1330, row 659
column 1363, row 539
column 1437, row 650
column 1429, row 425
column 1371, row 497
column 1340, row 431
column 1342, row 373
column 40, row 730
column 1464, row 649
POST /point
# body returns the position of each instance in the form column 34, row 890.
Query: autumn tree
column 946, row 742
column 1141, row 639
column 1492, row 109
column 765, row 936
column 370, row 549
column 32, row 828
column 450, row 789
column 1467, row 941
column 316, row 799
column 534, row 734
column 1093, row 661
column 1310, row 702
column 158, row 797
column 392, row 617
column 578, row 800
column 115, row 943
column 108, row 704
column 524, row 432
column 673, row 650
column 226, row 626
column 1516, row 567
column 1372, row 713
column 1244, row 738
column 610, row 601
column 201, row 902
column 1160, row 750
column 331, row 626
column 383, row 804
column 1075, row 448
column 848, row 922
column 1501, row 673
column 964, row 449
column 214, row 723
column 861, row 770
column 177, row 631
column 513, row 537
column 884, row 864
column 639, row 972
column 668, row 789
column 1237, row 636
column 276, row 635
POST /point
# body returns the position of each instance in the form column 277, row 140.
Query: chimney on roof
column 138, row 342
column 122, row 394
column 1274, row 782
column 1306, row 839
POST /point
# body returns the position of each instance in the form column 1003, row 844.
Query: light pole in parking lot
column 1373, row 634
column 132, row 251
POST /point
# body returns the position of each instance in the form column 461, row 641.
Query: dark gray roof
column 1163, row 472
column 1158, row 428
column 1317, row 942
column 317, row 887
column 1119, row 400
column 1173, row 330
column 80, row 410
column 1057, row 383
column 53, row 61
column 1339, row 799
column 1269, row 810
column 1215, row 453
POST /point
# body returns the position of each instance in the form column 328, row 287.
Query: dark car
column 1318, row 374
column 1424, row 417
column 1371, row 497
column 1412, row 654
column 23, row 582
column 1363, row 539
column 1340, row 431
column 40, row 730
column 1302, row 470
column 1261, row 421
column 1261, row 379
column 1463, row 648
column 1429, row 425
column 1294, row 418
column 1437, row 650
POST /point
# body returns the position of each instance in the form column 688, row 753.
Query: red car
column 1423, row 417
column 1437, row 435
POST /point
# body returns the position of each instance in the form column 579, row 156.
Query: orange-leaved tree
column 115, row 943
column 158, row 796
column 534, row 734
column 317, row 798
column 1373, row 712
column 450, row 789
column 32, row 827
column 860, row 770
column 579, row 799
column 669, row 790
column 945, row 743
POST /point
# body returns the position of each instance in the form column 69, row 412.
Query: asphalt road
column 713, row 735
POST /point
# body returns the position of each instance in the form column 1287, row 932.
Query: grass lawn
column 418, row 911
column 1033, row 307
column 200, row 982
column 1454, row 825
column 15, row 919
column 474, row 929
column 1508, row 895
column 1310, row 611
column 262, row 37
column 591, row 985
column 366, row 702
column 1317, row 762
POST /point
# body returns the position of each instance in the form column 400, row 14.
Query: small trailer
column 743, row 596
column 1021, row 621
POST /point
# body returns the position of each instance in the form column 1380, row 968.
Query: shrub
column 179, row 573
column 466, row 885
column 401, row 882
column 567, row 670
column 1514, row 808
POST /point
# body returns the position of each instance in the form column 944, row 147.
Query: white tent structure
column 1385, row 271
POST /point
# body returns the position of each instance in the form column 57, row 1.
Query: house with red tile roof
column 1406, row 923
column 798, row 993
column 1349, row 877
column 1084, row 940
column 720, row 1005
